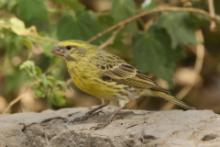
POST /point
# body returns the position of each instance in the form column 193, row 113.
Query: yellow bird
column 106, row 76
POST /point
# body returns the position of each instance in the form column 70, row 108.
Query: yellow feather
column 106, row 76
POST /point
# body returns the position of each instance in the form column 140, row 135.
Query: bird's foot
column 108, row 121
column 96, row 109
column 92, row 112
column 102, row 125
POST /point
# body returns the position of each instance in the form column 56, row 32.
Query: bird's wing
column 121, row 72
column 127, row 74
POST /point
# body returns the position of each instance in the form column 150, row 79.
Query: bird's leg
column 96, row 109
column 122, row 104
column 109, row 120
column 92, row 111
column 114, row 114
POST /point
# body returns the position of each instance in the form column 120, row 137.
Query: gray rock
column 131, row 128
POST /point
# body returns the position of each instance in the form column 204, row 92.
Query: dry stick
column 111, row 39
column 200, row 54
column 212, row 14
column 16, row 100
column 153, row 11
column 11, row 104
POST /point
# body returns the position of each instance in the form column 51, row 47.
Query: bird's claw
column 102, row 125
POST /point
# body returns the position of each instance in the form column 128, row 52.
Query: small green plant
column 45, row 86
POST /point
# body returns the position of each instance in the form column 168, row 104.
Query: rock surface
column 132, row 128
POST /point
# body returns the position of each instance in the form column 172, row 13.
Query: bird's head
column 73, row 49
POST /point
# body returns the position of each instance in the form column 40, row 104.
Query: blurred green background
column 163, row 44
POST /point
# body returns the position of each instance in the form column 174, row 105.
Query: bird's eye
column 68, row 47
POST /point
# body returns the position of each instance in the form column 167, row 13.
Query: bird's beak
column 58, row 51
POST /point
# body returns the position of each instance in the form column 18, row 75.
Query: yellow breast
column 90, row 82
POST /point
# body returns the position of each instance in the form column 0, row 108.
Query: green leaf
column 154, row 54
column 80, row 26
column 179, row 28
column 31, row 69
column 57, row 100
column 33, row 12
column 14, row 82
column 17, row 26
column 122, row 9
column 74, row 4
column 8, row 5
column 106, row 20
column 11, row 43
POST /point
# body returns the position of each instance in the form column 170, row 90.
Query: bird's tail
column 171, row 99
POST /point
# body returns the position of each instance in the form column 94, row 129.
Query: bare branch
column 154, row 11
column 212, row 14
column 12, row 103
column 111, row 39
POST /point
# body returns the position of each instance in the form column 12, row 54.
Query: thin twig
column 111, row 39
column 11, row 104
column 200, row 54
column 212, row 14
column 154, row 11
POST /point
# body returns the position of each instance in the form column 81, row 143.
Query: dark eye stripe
column 68, row 47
